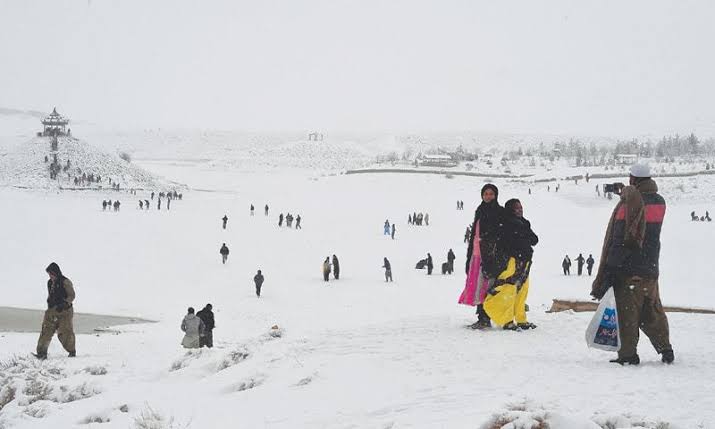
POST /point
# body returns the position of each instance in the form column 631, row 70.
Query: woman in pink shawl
column 484, row 259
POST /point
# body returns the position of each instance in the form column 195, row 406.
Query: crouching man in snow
column 629, row 264
column 59, row 313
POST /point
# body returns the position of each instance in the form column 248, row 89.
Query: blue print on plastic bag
column 607, row 333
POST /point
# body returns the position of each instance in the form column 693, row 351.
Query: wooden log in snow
column 581, row 306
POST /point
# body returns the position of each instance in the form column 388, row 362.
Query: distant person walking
column 336, row 268
column 252, row 208
column 59, row 314
column 225, row 221
column 206, row 337
column 430, row 265
column 192, row 327
column 326, row 269
column 426, row 219
column 386, row 228
column 566, row 265
column 450, row 261
column 224, row 253
column 580, row 261
column 297, row 222
column 388, row 269
column 258, row 280
column 265, row 210
column 280, row 220
column 393, row 231
column 589, row 264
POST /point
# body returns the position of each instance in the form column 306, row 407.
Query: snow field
column 352, row 353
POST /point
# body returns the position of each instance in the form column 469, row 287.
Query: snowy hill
column 28, row 165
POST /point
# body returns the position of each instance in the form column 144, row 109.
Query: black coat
column 517, row 238
column 258, row 279
column 206, row 316
column 489, row 216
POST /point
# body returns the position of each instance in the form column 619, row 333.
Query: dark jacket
column 386, row 265
column 60, row 293
column 517, row 238
column 224, row 250
column 450, row 256
column 258, row 279
column 628, row 258
column 489, row 216
column 206, row 316
column 336, row 265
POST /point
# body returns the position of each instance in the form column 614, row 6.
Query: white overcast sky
column 569, row 67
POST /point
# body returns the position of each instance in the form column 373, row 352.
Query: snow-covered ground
column 351, row 353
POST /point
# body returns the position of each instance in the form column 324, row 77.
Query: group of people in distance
column 566, row 264
column 418, row 219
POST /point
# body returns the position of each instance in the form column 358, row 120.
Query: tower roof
column 55, row 118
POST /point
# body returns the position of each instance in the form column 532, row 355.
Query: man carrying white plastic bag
column 629, row 268
column 602, row 332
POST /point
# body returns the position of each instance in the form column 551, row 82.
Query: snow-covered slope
column 24, row 165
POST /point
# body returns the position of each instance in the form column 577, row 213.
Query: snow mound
column 24, row 166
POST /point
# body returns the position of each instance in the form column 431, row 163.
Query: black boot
column 72, row 354
column 667, row 356
column 526, row 325
column 511, row 326
column 633, row 360
column 482, row 317
column 40, row 356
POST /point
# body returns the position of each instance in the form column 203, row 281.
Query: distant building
column 315, row 137
column 626, row 159
column 437, row 161
column 55, row 125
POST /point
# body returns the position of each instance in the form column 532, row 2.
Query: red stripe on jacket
column 621, row 213
column 654, row 213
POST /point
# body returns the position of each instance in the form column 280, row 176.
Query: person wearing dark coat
column 252, row 208
column 388, row 269
column 265, row 210
column 297, row 222
column 488, row 218
column 225, row 220
column 280, row 220
column 336, row 267
column 580, row 261
column 258, row 280
column 450, row 261
column 206, row 338
column 146, row 204
column 430, row 264
column 224, row 253
column 326, row 269
column 566, row 265
column 393, row 231
column 59, row 314
column 467, row 233
column 104, row 205
column 589, row 264
column 506, row 302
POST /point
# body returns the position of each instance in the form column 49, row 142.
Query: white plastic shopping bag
column 602, row 333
